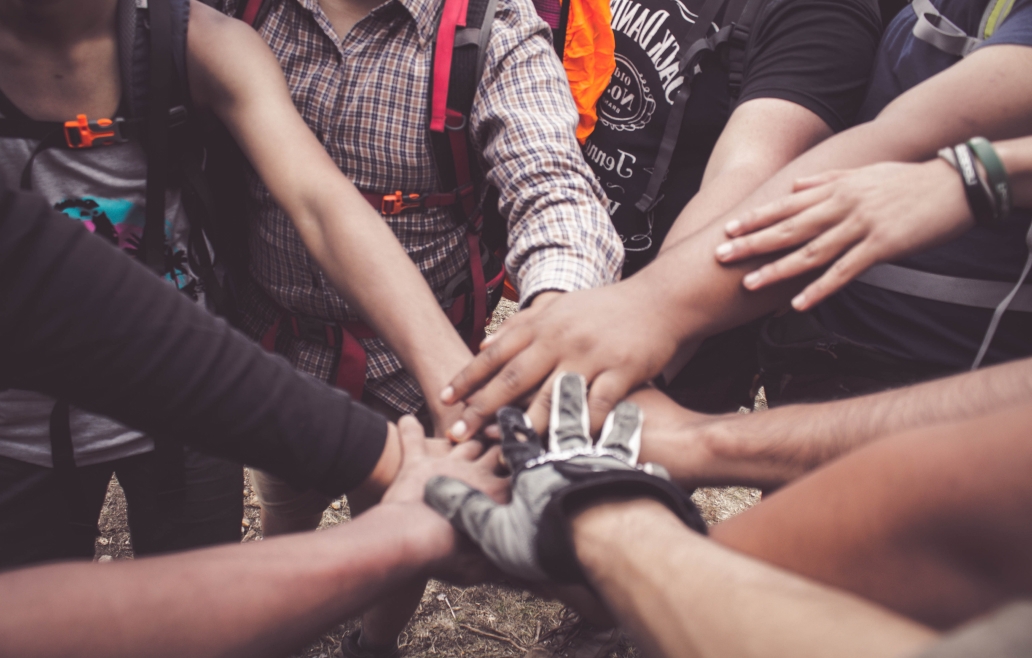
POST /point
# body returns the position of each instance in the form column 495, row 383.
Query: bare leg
column 932, row 523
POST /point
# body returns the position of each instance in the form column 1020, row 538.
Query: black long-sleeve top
column 81, row 321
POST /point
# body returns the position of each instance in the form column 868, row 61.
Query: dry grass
column 483, row 621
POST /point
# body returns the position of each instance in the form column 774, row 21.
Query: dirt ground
column 483, row 621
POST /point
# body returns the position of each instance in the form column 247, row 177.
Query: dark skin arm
column 624, row 335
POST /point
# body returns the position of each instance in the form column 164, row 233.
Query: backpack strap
column 935, row 29
column 254, row 12
column 699, row 43
column 460, row 51
column 160, row 60
column 743, row 14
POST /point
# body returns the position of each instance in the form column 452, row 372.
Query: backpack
column 156, row 111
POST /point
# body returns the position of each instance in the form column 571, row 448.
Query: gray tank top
column 104, row 188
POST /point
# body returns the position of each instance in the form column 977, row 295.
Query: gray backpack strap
column 937, row 30
column 976, row 293
column 1008, row 301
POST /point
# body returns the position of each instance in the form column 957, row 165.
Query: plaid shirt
column 364, row 96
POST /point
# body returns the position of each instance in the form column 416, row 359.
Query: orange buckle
column 83, row 134
column 397, row 203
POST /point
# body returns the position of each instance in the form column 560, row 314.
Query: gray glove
column 529, row 537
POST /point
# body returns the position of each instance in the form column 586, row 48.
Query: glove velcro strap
column 556, row 553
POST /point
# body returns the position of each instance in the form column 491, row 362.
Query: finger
column 501, row 349
column 520, row 375
column 413, row 440
column 851, row 265
column 808, row 220
column 773, row 212
column 808, row 182
column 493, row 432
column 467, row 451
column 540, row 408
column 459, row 503
column 490, row 457
column 520, row 443
column 621, row 432
column 569, row 425
column 606, row 391
column 818, row 252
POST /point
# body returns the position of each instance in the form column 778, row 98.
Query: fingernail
column 799, row 301
column 751, row 279
column 724, row 250
column 732, row 227
column 458, row 431
column 447, row 395
column 488, row 340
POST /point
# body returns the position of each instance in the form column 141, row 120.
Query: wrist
column 373, row 487
column 599, row 533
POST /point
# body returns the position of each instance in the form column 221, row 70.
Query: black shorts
column 39, row 523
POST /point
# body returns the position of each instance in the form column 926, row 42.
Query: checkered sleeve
column 524, row 121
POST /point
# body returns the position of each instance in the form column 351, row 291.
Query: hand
column 857, row 218
column 528, row 538
column 618, row 337
column 423, row 459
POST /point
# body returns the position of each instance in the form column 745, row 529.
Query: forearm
column 682, row 595
column 369, row 267
column 770, row 448
column 124, row 343
column 263, row 599
column 711, row 295
column 235, row 74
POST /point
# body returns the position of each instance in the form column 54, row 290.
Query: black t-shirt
column 80, row 321
column 816, row 53
column 923, row 330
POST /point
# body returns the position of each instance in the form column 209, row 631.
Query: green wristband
column 999, row 183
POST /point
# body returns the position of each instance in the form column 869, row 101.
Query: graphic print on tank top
column 633, row 111
column 121, row 222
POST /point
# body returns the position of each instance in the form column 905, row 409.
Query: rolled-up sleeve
column 524, row 122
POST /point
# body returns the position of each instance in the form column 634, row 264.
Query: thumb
column 465, row 507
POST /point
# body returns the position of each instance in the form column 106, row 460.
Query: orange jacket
column 589, row 57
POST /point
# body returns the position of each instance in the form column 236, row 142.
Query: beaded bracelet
column 999, row 183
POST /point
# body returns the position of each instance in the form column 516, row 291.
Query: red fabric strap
column 351, row 366
column 251, row 11
column 452, row 16
column 476, row 270
column 456, row 124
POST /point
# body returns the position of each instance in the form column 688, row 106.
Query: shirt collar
column 423, row 12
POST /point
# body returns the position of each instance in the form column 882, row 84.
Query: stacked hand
column 528, row 537
column 850, row 220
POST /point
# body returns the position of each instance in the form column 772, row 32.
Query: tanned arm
column 769, row 448
column 681, row 595
column 234, row 73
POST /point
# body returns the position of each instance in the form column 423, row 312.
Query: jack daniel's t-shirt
column 816, row 53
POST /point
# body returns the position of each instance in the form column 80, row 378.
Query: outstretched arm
column 770, row 448
column 234, row 73
column 624, row 335
column 681, row 594
column 263, row 599
column 860, row 217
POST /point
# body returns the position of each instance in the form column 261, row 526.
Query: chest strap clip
column 82, row 133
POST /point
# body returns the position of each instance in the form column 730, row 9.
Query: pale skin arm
column 770, row 448
column 680, row 594
column 624, row 335
column 261, row 599
column 234, row 73
column 861, row 217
